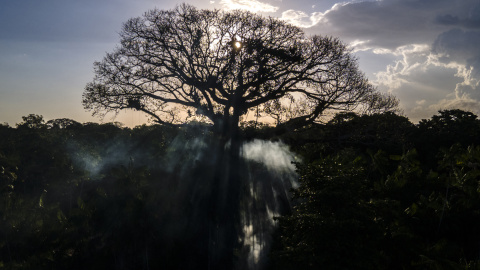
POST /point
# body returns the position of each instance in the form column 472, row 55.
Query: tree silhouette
column 217, row 66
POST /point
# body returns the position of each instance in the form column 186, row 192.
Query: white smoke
column 268, row 174
column 267, row 192
column 95, row 158
column 276, row 156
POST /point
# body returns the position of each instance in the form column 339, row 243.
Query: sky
column 425, row 52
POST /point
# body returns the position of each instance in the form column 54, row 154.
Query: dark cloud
column 394, row 23
column 435, row 43
column 466, row 16
column 387, row 24
column 447, row 19
column 461, row 46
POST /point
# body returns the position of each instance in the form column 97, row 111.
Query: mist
column 185, row 169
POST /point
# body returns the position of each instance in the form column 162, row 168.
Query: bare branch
column 219, row 65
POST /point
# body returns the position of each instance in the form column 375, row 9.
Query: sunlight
column 237, row 44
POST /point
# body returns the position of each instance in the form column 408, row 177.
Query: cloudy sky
column 426, row 52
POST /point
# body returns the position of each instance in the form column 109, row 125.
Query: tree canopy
column 374, row 192
column 217, row 66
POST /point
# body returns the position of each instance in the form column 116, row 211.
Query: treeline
column 375, row 192
column 99, row 196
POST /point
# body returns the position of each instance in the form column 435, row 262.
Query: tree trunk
column 225, row 229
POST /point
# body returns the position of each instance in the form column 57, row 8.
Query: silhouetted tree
column 449, row 127
column 445, row 129
column 63, row 123
column 32, row 121
column 217, row 66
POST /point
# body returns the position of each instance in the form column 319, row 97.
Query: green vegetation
column 380, row 193
column 375, row 192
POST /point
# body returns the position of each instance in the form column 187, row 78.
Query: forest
column 267, row 149
column 361, row 191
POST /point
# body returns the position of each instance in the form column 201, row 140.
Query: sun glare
column 237, row 44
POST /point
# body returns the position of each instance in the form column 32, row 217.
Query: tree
column 445, row 129
column 333, row 224
column 62, row 123
column 32, row 121
column 449, row 127
column 217, row 66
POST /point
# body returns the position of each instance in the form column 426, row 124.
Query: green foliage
column 442, row 131
column 375, row 192
column 332, row 218
column 59, row 211
column 382, row 194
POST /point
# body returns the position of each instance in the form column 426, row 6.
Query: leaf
column 80, row 203
column 412, row 209
column 40, row 201
column 61, row 217
column 395, row 157
column 101, row 192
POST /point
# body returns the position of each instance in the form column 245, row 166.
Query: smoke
column 96, row 157
column 271, row 174
column 275, row 156
column 186, row 166
column 182, row 154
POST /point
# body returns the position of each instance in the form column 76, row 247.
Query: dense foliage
column 90, row 196
column 380, row 193
column 375, row 192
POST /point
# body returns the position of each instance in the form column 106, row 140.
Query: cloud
column 425, row 112
column 420, row 102
column 300, row 18
column 411, row 59
column 465, row 15
column 459, row 46
column 389, row 23
column 250, row 5
column 426, row 81
column 465, row 103
column 385, row 24
column 433, row 46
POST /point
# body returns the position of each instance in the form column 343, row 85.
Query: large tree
column 217, row 66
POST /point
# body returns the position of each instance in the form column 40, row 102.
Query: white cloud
column 433, row 43
column 432, row 46
column 300, row 18
column 425, row 83
column 359, row 45
column 250, row 5
column 386, row 24
column 464, row 103
column 413, row 58
column 420, row 102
